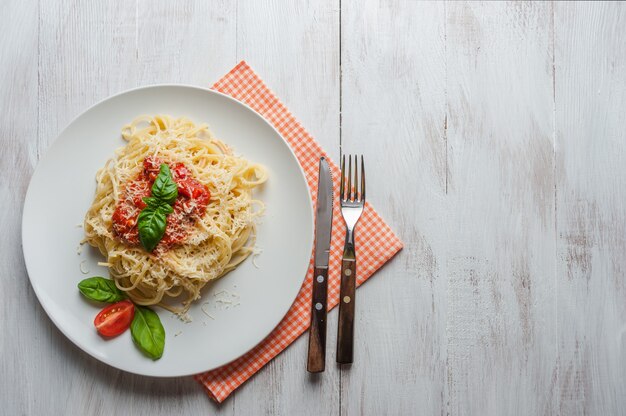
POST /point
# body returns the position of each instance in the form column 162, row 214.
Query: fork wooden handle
column 317, row 333
column 345, row 333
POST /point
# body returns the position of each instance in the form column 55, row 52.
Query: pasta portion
column 211, row 229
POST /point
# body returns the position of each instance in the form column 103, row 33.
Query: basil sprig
column 101, row 290
column 147, row 332
column 164, row 188
column 152, row 220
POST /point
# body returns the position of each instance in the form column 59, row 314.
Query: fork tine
column 343, row 178
column 349, row 195
column 362, row 179
column 356, row 179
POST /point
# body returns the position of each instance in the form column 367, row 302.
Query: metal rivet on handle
column 347, row 272
column 320, row 278
column 318, row 306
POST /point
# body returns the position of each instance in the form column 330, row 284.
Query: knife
column 323, row 225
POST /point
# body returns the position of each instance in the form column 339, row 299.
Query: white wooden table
column 496, row 140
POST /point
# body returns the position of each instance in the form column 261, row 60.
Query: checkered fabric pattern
column 375, row 241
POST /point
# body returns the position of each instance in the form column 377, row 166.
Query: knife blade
column 323, row 226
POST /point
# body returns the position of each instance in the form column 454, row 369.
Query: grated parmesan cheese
column 185, row 317
column 205, row 311
column 256, row 252
column 226, row 299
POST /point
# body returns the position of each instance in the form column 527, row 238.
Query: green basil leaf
column 152, row 220
column 101, row 290
column 165, row 209
column 164, row 187
column 152, row 202
column 147, row 332
column 151, row 224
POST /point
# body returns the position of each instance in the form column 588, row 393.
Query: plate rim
column 28, row 196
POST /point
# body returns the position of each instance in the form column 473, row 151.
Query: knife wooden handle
column 316, row 362
column 345, row 332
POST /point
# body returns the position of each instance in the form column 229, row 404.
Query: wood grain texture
column 86, row 53
column 347, row 301
column 294, row 46
column 590, row 96
column 316, row 356
column 494, row 139
column 193, row 42
column 393, row 106
column 18, row 133
column 500, row 208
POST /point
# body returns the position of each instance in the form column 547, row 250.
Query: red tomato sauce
column 193, row 198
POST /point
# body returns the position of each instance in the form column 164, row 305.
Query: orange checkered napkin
column 375, row 241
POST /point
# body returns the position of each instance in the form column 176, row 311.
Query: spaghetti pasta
column 209, row 242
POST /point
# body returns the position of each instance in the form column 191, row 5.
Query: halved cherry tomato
column 115, row 319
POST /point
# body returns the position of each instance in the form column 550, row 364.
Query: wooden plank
column 89, row 51
column 294, row 47
column 85, row 54
column 188, row 43
column 590, row 95
column 192, row 42
column 500, row 209
column 394, row 112
column 18, row 130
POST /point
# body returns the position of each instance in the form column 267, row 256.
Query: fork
column 352, row 197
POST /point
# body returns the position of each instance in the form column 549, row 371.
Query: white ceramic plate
column 62, row 189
